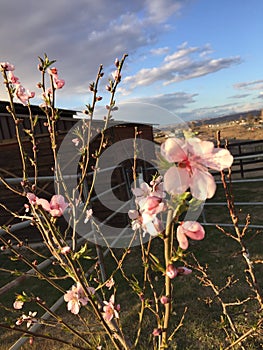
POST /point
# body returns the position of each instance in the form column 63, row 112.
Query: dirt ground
column 232, row 132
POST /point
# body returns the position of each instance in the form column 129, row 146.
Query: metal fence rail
column 220, row 204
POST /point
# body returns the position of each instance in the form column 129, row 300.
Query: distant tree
column 192, row 125
column 250, row 118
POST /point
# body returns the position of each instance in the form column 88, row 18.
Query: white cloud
column 219, row 110
column 173, row 101
column 160, row 51
column 159, row 11
column 239, row 96
column 181, row 65
column 250, row 85
column 80, row 34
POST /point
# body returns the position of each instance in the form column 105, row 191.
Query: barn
column 11, row 167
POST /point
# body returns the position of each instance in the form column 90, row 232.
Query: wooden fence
column 248, row 158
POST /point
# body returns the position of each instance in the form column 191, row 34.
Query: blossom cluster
column 150, row 201
column 24, row 94
column 20, row 92
column 110, row 310
column 55, row 207
column 190, row 159
column 75, row 297
column 29, row 319
column 58, row 83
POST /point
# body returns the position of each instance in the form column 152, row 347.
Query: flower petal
column 176, row 180
column 173, row 150
column 43, row 203
column 133, row 214
column 202, row 184
column 219, row 160
column 181, row 238
column 193, row 230
column 199, row 147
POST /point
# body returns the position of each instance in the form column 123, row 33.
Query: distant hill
column 215, row 120
column 229, row 118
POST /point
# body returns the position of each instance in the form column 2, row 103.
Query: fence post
column 241, row 162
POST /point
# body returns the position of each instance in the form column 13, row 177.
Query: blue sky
column 193, row 58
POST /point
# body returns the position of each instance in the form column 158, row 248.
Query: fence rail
column 220, row 204
column 247, row 154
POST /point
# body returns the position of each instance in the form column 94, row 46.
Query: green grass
column 242, row 192
column 203, row 322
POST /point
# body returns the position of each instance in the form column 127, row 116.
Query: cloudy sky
column 190, row 58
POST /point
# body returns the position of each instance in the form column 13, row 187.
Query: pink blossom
column 192, row 157
column 18, row 304
column 136, row 218
column 152, row 224
column 164, row 299
column 144, row 191
column 133, row 214
column 76, row 141
column 150, row 202
column 65, row 250
column 156, row 332
column 12, row 78
column 149, row 223
column 22, row 94
column 141, row 192
column 117, row 62
column 110, row 310
column 44, row 203
column 171, row 271
column 52, row 71
column 116, row 75
column 59, row 83
column 89, row 213
column 32, row 198
column 110, row 283
column 29, row 319
column 76, row 298
column 191, row 229
column 56, row 207
column 158, row 187
column 7, row 66
column 152, row 205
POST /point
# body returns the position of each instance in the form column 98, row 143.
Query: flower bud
column 164, row 299
column 65, row 250
column 117, row 62
column 171, row 271
column 156, row 332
